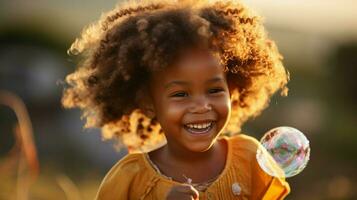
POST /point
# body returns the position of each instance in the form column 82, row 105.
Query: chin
column 199, row 146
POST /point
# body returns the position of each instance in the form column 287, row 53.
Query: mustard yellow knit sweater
column 133, row 177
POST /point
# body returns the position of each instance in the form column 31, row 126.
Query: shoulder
column 128, row 171
column 244, row 138
column 130, row 163
column 130, row 166
column 242, row 142
column 243, row 150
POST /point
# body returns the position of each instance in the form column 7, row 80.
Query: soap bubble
column 288, row 147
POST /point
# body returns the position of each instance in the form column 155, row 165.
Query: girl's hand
column 182, row 192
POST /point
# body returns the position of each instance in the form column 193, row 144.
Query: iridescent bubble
column 288, row 147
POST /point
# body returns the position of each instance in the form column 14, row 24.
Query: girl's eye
column 216, row 90
column 179, row 94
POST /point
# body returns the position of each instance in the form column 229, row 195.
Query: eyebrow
column 177, row 83
column 216, row 79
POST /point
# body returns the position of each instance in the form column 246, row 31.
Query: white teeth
column 199, row 126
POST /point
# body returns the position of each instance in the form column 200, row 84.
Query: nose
column 200, row 105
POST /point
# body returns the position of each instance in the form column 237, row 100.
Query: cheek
column 224, row 108
column 173, row 112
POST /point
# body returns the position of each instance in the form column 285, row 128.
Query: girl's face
column 192, row 93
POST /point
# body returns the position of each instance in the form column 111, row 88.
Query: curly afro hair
column 118, row 53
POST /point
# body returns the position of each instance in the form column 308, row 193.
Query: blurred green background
column 317, row 38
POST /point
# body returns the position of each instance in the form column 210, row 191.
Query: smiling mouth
column 197, row 130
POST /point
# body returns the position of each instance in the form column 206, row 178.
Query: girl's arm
column 266, row 187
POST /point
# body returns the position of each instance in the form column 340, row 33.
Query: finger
column 194, row 198
column 189, row 189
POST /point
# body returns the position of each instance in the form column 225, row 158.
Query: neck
column 184, row 156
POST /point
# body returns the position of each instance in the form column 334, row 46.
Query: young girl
column 174, row 82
